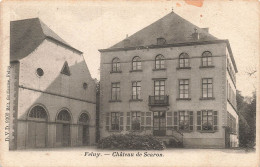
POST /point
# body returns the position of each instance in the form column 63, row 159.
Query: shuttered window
column 107, row 121
column 148, row 120
column 175, row 121
column 191, row 120
column 121, row 121
column 198, row 120
column 128, row 121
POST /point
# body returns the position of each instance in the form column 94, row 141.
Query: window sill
column 159, row 69
column 112, row 101
column 115, row 72
column 209, row 131
column 134, row 100
column 207, row 66
column 136, row 71
column 183, row 68
column 207, row 98
column 183, row 99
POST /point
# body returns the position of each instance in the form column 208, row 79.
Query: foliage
column 174, row 144
column 247, row 120
column 131, row 142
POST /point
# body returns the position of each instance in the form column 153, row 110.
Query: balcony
column 159, row 100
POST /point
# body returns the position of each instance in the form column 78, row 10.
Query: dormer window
column 85, row 85
column 65, row 69
column 161, row 41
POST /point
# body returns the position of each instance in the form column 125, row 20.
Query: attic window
column 39, row 72
column 161, row 41
column 85, row 85
column 65, row 69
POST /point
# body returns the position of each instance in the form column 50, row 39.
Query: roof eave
column 65, row 45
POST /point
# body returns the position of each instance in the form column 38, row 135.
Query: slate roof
column 26, row 35
column 172, row 27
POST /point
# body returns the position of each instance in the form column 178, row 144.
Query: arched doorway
column 63, row 128
column 37, row 127
column 83, row 133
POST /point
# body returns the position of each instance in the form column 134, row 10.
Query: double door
column 159, row 123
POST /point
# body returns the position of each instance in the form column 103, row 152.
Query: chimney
column 126, row 41
column 206, row 29
column 161, row 41
column 196, row 35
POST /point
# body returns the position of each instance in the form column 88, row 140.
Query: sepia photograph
column 129, row 83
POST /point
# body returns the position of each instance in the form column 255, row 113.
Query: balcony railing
column 159, row 100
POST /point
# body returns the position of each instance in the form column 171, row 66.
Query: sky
column 89, row 26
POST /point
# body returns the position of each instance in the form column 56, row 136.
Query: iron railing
column 159, row 100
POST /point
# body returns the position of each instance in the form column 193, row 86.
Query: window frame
column 137, row 89
column 135, row 114
column 117, row 91
column 212, row 120
column 188, row 90
column 116, row 66
column 207, row 88
column 182, row 60
column 160, row 86
column 207, row 58
column 136, row 63
column 160, row 66
column 117, row 121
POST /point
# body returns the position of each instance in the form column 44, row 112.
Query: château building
column 173, row 80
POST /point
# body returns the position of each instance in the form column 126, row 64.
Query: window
column 64, row 115
column 65, row 69
column 136, row 90
column 116, row 65
column 159, row 62
column 85, row 85
column 136, row 120
column 38, row 112
column 115, row 91
column 231, row 123
column 136, row 64
column 183, row 88
column 39, row 72
column 114, row 120
column 184, row 121
column 84, row 119
column 207, row 88
column 206, row 59
column 184, row 60
column 207, row 120
column 159, row 89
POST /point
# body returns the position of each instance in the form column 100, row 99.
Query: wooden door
column 85, row 135
column 31, row 138
column 40, row 135
column 159, row 123
column 66, row 135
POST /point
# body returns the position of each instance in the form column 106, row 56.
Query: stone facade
column 171, row 74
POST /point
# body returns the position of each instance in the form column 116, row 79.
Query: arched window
column 38, row 112
column 116, row 64
column 84, row 118
column 136, row 63
column 184, row 60
column 64, row 115
column 206, row 59
column 159, row 62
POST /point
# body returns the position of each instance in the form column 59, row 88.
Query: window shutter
column 128, row 121
column 107, row 121
column 121, row 121
column 191, row 120
column 169, row 120
column 198, row 120
column 148, row 120
column 215, row 118
column 175, row 116
column 142, row 120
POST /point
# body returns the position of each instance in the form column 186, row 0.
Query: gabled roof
column 26, row 35
column 172, row 27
